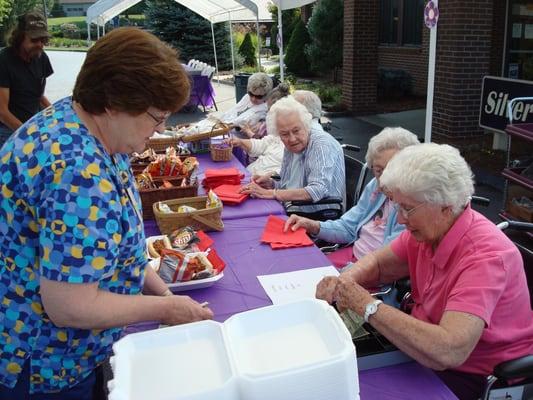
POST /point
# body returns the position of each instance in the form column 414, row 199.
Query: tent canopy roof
column 212, row 10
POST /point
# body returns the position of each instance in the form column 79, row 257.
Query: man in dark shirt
column 24, row 67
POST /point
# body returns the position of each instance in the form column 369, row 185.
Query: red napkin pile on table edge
column 217, row 177
column 274, row 235
column 229, row 194
column 207, row 243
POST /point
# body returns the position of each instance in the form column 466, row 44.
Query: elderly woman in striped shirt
column 313, row 161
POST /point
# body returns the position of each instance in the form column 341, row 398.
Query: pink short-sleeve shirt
column 475, row 269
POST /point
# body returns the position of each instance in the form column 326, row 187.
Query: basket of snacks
column 140, row 162
column 201, row 213
column 163, row 188
column 221, row 151
column 160, row 143
column 166, row 178
column 218, row 129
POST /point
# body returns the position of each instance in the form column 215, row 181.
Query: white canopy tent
column 285, row 5
column 214, row 11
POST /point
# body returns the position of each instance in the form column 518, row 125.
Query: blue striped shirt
column 320, row 171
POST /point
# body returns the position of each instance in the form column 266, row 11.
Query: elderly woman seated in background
column 372, row 222
column 249, row 111
column 266, row 153
column 471, row 301
column 313, row 161
column 313, row 104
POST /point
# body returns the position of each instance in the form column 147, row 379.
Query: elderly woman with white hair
column 372, row 222
column 310, row 158
column 471, row 301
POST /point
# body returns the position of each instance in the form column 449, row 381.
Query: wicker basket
column 217, row 130
column 206, row 219
column 160, row 144
column 151, row 196
column 221, row 152
column 139, row 167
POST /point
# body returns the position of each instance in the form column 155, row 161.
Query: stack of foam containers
column 294, row 351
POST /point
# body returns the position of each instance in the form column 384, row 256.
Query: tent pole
column 258, row 42
column 431, row 80
column 88, row 34
column 231, row 41
column 280, row 33
column 215, row 51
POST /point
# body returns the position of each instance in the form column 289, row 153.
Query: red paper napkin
column 217, row 177
column 229, row 194
column 274, row 235
column 207, row 243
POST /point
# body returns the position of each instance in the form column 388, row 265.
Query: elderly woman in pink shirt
column 471, row 301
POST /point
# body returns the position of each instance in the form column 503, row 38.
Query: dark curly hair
column 130, row 70
column 17, row 34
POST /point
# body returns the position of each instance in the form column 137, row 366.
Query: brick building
column 475, row 38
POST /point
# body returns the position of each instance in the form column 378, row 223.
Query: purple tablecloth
column 239, row 290
column 250, row 207
column 404, row 381
column 246, row 257
column 202, row 92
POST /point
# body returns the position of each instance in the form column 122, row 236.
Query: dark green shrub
column 394, row 82
column 247, row 51
column 326, row 31
column 296, row 59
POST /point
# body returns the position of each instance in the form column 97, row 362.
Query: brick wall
column 359, row 80
column 413, row 59
column 463, row 58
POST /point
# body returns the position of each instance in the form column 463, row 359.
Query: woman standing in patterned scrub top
column 72, row 245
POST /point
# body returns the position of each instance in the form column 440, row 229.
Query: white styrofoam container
column 296, row 351
column 186, row 362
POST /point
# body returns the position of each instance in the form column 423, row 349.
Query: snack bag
column 164, row 208
column 183, row 238
column 144, row 182
column 179, row 267
column 189, row 165
column 212, row 200
column 184, row 209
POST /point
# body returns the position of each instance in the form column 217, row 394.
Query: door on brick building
column 519, row 63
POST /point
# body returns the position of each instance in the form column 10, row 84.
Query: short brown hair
column 130, row 70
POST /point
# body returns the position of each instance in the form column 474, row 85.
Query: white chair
column 191, row 62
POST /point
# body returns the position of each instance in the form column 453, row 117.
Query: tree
column 325, row 29
column 188, row 32
column 290, row 18
column 247, row 51
column 296, row 59
column 11, row 9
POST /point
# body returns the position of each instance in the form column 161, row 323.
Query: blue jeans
column 90, row 388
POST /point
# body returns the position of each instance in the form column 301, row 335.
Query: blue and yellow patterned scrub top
column 65, row 215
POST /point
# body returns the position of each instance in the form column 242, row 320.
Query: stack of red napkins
column 229, row 194
column 226, row 176
column 274, row 235
column 207, row 243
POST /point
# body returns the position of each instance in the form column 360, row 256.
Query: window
column 401, row 22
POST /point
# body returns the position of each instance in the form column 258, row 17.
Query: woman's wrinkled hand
column 325, row 290
column 295, row 222
column 349, row 294
column 183, row 309
column 236, row 142
column 255, row 191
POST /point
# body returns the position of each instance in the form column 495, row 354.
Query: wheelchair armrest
column 325, row 200
column 350, row 147
column 518, row 368
column 329, row 249
column 482, row 201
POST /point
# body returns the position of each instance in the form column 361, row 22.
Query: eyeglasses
column 257, row 96
column 44, row 40
column 405, row 213
column 158, row 120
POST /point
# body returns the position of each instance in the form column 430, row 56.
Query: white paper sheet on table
column 294, row 285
